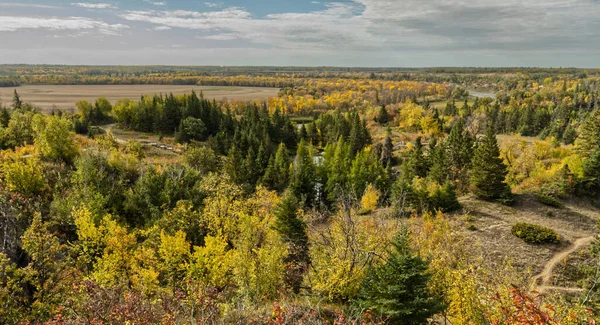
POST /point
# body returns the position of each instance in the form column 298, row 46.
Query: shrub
column 535, row 234
column 548, row 199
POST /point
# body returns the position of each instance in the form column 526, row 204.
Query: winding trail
column 546, row 275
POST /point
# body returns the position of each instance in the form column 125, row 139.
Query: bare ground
column 46, row 97
column 575, row 223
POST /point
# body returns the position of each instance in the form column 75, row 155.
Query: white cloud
column 12, row 24
column 214, row 4
column 93, row 5
column 156, row 3
column 26, row 5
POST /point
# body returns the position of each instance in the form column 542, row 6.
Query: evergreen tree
column 337, row 164
column 278, row 171
column 589, row 137
column 439, row 170
column 17, row 103
column 383, row 117
column 293, row 232
column 387, row 152
column 417, row 164
column 459, row 152
column 397, row 289
column 489, row 172
column 591, row 174
column 303, row 178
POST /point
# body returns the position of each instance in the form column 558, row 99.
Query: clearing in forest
column 62, row 97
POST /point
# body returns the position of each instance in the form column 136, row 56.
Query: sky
column 359, row 33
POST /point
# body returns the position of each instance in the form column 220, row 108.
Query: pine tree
column 337, row 164
column 293, row 232
column 489, row 172
column 397, row 289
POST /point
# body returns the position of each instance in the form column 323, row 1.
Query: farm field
column 63, row 97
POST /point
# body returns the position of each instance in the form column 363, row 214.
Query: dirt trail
column 546, row 275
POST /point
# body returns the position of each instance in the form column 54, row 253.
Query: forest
column 356, row 196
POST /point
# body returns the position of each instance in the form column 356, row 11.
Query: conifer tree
column 589, row 137
column 337, row 165
column 383, row 117
column 303, row 176
column 439, row 170
column 417, row 164
column 591, row 173
column 387, row 151
column 278, row 171
column 397, row 289
column 293, row 232
column 17, row 103
column 459, row 152
column 489, row 172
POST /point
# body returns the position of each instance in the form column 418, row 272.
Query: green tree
column 383, row 117
column 489, row 171
column 277, row 174
column 397, row 288
column 591, row 173
column 202, row 159
column 293, row 232
column 191, row 128
column 589, row 137
column 54, row 138
column 459, row 153
column 16, row 103
column 303, row 177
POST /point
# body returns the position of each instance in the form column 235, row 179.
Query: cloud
column 408, row 25
column 26, row 5
column 156, row 3
column 214, row 4
column 94, row 5
column 13, row 23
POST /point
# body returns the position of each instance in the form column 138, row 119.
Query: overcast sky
column 388, row 33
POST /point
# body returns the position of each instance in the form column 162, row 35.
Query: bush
column 535, row 234
column 548, row 199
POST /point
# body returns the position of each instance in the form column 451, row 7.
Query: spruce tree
column 591, row 173
column 387, row 151
column 293, row 232
column 278, row 171
column 397, row 289
column 459, row 152
column 417, row 164
column 383, row 117
column 489, row 172
column 17, row 103
column 303, row 178
column 439, row 170
column 589, row 138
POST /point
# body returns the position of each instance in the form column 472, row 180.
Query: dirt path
column 546, row 275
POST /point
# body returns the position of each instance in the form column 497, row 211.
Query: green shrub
column 548, row 199
column 535, row 234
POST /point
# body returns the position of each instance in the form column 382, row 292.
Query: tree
column 54, row 138
column 589, row 137
column 45, row 269
column 489, row 171
column 591, row 173
column 191, row 128
column 293, row 232
column 17, row 103
column 459, row 152
column 417, row 164
column 397, row 288
column 383, row 117
column 277, row 174
column 202, row 159
column 303, row 178
column 387, row 152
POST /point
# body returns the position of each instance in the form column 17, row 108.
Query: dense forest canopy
column 344, row 200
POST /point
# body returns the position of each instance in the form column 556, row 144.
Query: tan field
column 47, row 97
